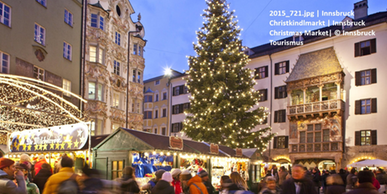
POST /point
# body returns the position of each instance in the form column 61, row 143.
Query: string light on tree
column 224, row 105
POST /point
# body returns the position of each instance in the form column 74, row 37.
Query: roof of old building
column 316, row 63
column 99, row 6
column 174, row 74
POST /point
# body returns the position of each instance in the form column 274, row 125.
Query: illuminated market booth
column 147, row 152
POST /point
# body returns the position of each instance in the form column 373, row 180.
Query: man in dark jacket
column 298, row 184
column 41, row 178
column 343, row 174
column 204, row 175
column 316, row 179
column 164, row 186
column 365, row 184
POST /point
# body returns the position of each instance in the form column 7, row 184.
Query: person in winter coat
column 381, row 176
column 316, row 179
column 298, row 184
column 206, row 181
column 32, row 188
column 335, row 185
column 351, row 180
column 149, row 186
column 196, row 186
column 38, row 165
column 343, row 175
column 222, row 189
column 324, row 177
column 238, row 181
column 365, row 184
column 282, row 175
column 271, row 187
column 7, row 173
column 164, row 186
column 65, row 173
column 176, row 181
column 41, row 178
column 185, row 177
column 128, row 181
column 91, row 184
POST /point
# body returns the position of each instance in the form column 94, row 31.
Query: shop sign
column 214, row 148
column 238, row 152
column 58, row 138
column 176, row 143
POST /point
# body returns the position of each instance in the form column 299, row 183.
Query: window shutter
column 266, row 72
column 357, row 49
column 358, row 78
column 283, row 115
column 276, row 69
column 287, row 66
column 373, row 75
column 286, row 91
column 373, row 137
column 373, row 45
column 275, row 116
column 357, row 137
column 181, row 89
column 275, row 92
column 173, row 91
column 265, row 94
column 173, row 109
column 357, row 107
column 275, row 142
column 286, row 141
column 373, row 105
column 181, row 108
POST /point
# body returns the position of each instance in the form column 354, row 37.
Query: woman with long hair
column 238, row 181
column 128, row 181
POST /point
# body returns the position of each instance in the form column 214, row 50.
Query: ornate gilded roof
column 316, row 63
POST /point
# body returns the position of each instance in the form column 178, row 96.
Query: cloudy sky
column 170, row 25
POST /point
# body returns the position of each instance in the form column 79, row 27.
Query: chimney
column 361, row 9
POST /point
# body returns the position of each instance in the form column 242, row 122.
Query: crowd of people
column 300, row 180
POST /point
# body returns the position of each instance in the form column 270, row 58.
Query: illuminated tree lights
column 224, row 105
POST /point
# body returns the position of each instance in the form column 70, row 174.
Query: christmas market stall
column 147, row 152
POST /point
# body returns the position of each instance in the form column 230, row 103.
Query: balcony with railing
column 316, row 147
column 316, row 107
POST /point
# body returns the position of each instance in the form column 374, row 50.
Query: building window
column 42, row 2
column 95, row 23
column 176, row 91
column 177, row 127
column 310, row 138
column 147, row 114
column 66, row 86
column 157, row 82
column 164, row 112
column 163, row 131
column 366, row 106
column 4, row 62
column 116, row 67
column 365, row 47
column 280, row 92
column 262, row 95
column 134, row 76
column 317, row 137
column 132, row 107
column 97, row 127
column 116, row 100
column 135, row 49
column 117, row 167
column 176, row 109
column 155, row 130
column 140, row 51
column 157, row 98
column 68, row 17
column 164, row 95
column 5, row 14
column 117, row 38
column 326, row 137
column 302, row 137
column 365, row 77
column 138, row 77
column 365, row 137
column 261, row 72
column 67, row 50
column 138, row 107
column 95, row 91
column 148, row 98
column 96, row 54
column 280, row 142
column 280, row 116
column 38, row 73
column 40, row 34
column 281, row 68
column 156, row 114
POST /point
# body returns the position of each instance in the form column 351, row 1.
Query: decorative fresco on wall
column 332, row 123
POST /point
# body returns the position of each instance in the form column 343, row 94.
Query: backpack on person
column 69, row 186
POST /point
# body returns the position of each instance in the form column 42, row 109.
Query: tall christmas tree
column 224, row 105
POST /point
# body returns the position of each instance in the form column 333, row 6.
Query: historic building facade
column 114, row 66
column 157, row 103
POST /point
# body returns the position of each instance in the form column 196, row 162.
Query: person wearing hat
column 164, row 186
column 206, row 181
column 365, row 184
column 196, row 186
column 32, row 188
column 38, row 165
column 185, row 176
column 7, row 173
column 152, row 183
column 176, row 180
